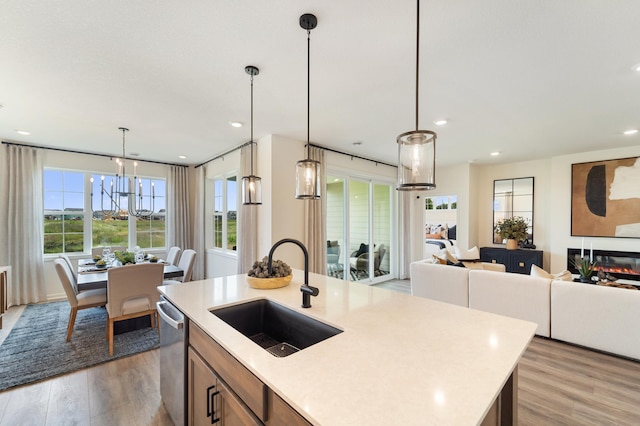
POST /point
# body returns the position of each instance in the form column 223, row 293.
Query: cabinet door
column 231, row 411
column 202, row 392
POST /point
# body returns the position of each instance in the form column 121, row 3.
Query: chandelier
column 123, row 194
column 417, row 148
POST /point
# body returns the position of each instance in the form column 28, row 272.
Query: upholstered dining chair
column 186, row 263
column 131, row 293
column 173, row 255
column 70, row 265
column 77, row 300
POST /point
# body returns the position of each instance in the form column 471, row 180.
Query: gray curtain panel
column 178, row 215
column 22, row 223
column 198, row 226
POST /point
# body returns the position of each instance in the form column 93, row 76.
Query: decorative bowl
column 269, row 283
column 101, row 265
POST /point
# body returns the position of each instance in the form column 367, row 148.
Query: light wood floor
column 559, row 384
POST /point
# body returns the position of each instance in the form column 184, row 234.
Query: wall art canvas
column 605, row 198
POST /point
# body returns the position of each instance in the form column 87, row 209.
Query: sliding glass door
column 359, row 233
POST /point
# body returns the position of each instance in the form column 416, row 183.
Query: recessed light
column 631, row 132
column 440, row 122
column 235, row 124
column 495, row 153
column 182, row 157
column 636, row 67
column 23, row 132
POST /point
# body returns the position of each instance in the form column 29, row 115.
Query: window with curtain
column 79, row 213
column 225, row 212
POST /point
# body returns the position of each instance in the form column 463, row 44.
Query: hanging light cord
column 251, row 124
column 308, row 91
column 417, row 59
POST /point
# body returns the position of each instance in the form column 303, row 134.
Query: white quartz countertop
column 401, row 359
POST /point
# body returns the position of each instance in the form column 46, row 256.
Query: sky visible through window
column 64, row 190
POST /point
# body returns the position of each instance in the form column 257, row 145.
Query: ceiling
column 530, row 79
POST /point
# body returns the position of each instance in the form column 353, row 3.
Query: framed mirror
column 513, row 197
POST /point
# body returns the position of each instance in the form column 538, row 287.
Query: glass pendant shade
column 308, row 179
column 251, row 190
column 417, row 160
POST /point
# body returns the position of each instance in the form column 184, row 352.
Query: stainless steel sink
column 278, row 329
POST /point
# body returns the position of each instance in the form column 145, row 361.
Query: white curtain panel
column 178, row 208
column 405, row 241
column 198, row 226
column 247, row 232
column 22, row 224
column 315, row 230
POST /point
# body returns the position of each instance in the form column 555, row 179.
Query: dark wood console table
column 516, row 261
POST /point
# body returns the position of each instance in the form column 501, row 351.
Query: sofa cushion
column 440, row 282
column 599, row 317
column 513, row 295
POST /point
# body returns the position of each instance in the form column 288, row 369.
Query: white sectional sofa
column 598, row 317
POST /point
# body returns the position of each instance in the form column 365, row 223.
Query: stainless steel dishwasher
column 172, row 360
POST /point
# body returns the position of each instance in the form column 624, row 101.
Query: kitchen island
column 399, row 360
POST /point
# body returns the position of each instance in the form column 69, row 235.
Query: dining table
column 90, row 277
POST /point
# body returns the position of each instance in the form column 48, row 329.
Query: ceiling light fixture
column 417, row 148
column 495, row 153
column 440, row 122
column 235, row 124
column 123, row 188
column 182, row 157
column 631, row 132
column 252, row 184
column 23, row 132
column 308, row 171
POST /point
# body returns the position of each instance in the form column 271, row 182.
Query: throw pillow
column 450, row 257
column 472, row 265
column 439, row 260
column 434, row 236
column 364, row 248
column 471, row 254
column 536, row 271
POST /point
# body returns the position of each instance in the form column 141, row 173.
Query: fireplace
column 621, row 264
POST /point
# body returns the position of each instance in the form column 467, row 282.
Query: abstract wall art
column 605, row 198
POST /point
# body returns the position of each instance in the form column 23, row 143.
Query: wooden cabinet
column 222, row 391
column 516, row 261
column 210, row 401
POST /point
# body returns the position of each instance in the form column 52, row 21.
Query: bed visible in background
column 438, row 237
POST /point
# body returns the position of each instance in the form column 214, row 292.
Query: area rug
column 37, row 349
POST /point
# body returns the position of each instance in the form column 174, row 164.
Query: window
column 225, row 212
column 64, row 212
column 69, row 228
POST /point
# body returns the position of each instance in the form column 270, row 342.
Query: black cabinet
column 517, row 261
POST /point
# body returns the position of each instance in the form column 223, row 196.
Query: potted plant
column 585, row 266
column 513, row 229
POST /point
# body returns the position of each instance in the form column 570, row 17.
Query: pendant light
column 417, row 148
column 308, row 177
column 251, row 185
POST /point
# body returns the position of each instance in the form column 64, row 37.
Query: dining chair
column 70, row 265
column 186, row 263
column 77, row 300
column 131, row 293
column 173, row 255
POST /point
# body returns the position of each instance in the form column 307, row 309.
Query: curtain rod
column 352, row 155
column 90, row 153
column 224, row 153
